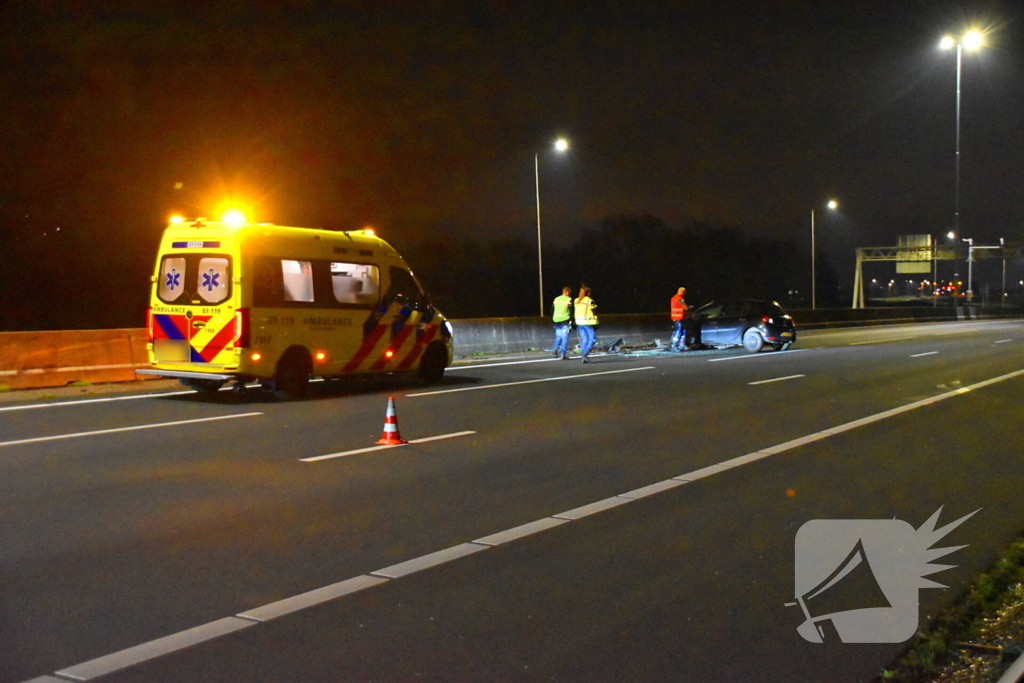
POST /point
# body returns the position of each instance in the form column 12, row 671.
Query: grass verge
column 975, row 638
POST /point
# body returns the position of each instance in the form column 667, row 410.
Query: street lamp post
column 561, row 145
column 1002, row 254
column 970, row 267
column 972, row 40
column 833, row 205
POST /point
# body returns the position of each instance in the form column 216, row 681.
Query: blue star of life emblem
column 173, row 279
column 211, row 280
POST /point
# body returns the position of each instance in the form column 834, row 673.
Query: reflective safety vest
column 679, row 307
column 562, row 308
column 585, row 311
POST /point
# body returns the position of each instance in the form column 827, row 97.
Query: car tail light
column 766, row 319
column 241, row 338
column 149, row 323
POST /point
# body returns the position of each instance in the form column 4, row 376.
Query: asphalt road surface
column 568, row 525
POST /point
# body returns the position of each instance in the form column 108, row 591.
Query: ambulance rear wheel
column 292, row 376
column 207, row 387
column 435, row 358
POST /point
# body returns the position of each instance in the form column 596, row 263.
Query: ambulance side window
column 355, row 283
column 298, row 280
column 214, row 278
column 172, row 279
column 404, row 288
column 266, row 285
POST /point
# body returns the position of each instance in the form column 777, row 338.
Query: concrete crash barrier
column 854, row 317
column 51, row 359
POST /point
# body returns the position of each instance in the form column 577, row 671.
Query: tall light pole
column 561, row 145
column 833, row 205
column 972, row 40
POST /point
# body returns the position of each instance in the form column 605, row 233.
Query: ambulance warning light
column 233, row 218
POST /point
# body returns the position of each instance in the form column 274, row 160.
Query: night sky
column 424, row 118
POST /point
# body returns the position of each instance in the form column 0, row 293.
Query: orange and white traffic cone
column 391, row 437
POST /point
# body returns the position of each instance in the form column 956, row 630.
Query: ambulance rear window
column 172, row 279
column 194, row 279
column 212, row 281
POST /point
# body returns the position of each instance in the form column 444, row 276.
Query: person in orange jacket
column 678, row 315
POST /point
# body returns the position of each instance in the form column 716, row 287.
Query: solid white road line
column 370, row 449
column 78, row 368
column 472, row 366
column 1003, row 341
column 311, row 598
column 774, row 354
column 592, row 508
column 777, row 379
column 62, row 404
column 154, row 648
column 521, row 531
column 529, row 381
column 124, row 429
column 926, row 353
column 179, row 641
column 397, row 571
column 882, row 341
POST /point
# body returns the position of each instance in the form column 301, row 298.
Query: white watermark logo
column 857, row 579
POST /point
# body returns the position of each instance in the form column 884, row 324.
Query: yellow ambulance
column 233, row 300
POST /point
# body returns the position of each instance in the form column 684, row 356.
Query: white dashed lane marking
column 776, row 379
column 529, row 381
column 116, row 430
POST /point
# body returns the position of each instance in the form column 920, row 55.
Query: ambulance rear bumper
column 186, row 375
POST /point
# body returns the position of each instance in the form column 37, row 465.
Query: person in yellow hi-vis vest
column 586, row 321
column 562, row 318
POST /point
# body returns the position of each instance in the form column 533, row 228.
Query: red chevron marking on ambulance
column 417, row 349
column 367, row 346
column 395, row 344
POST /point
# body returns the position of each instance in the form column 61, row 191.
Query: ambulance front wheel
column 292, row 376
column 435, row 358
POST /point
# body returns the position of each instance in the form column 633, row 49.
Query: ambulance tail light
column 241, row 338
column 446, row 332
column 149, row 323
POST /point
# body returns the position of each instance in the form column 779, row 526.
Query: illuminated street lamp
column 561, row 145
column 972, row 40
column 832, row 205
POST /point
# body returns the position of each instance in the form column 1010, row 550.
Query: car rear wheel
column 753, row 342
column 292, row 376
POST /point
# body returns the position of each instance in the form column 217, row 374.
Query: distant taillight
column 241, row 338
